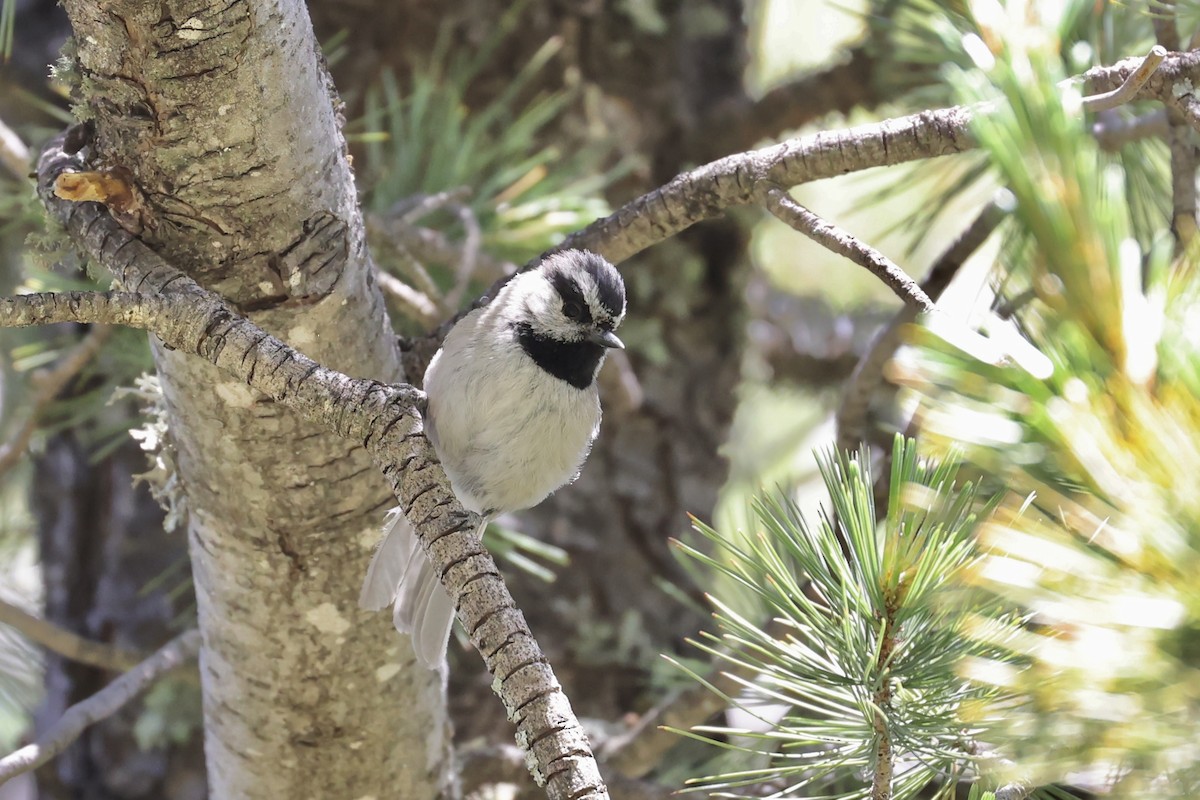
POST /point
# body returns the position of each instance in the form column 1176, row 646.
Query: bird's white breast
column 507, row 432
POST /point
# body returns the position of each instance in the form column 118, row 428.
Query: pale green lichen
column 155, row 440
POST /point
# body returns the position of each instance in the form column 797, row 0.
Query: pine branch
column 103, row 704
column 744, row 179
column 65, row 643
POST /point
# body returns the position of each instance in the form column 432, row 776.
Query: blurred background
column 482, row 134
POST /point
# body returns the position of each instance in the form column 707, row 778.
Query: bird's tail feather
column 401, row 573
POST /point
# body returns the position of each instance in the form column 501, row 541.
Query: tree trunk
column 226, row 120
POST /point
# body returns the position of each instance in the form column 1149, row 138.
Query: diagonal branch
column 49, row 384
column 781, row 204
column 709, row 190
column 101, row 705
column 65, row 643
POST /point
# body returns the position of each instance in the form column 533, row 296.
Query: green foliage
column 8, row 18
column 931, row 41
column 171, row 711
column 425, row 137
column 861, row 657
column 1088, row 408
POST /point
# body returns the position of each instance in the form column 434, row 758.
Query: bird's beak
column 605, row 339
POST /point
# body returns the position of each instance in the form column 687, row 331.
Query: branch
column 803, row 339
column 710, row 190
column 385, row 419
column 1133, row 84
column 49, row 384
column 101, row 705
column 67, row 644
column 781, row 204
column 641, row 749
column 414, row 304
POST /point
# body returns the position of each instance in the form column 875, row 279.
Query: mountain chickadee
column 513, row 409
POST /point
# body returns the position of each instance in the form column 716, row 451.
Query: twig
column 465, row 268
column 851, row 417
column 432, row 247
column 101, row 705
column 411, row 209
column 638, row 751
column 1133, row 84
column 780, row 203
column 414, row 304
column 1007, row 309
column 67, row 644
column 13, row 153
column 49, row 384
column 383, row 236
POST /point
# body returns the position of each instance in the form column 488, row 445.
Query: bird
column 512, row 410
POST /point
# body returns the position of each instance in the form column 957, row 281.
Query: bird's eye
column 572, row 310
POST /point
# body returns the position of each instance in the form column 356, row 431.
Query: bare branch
column 101, row 705
column 781, row 204
column 642, row 748
column 1133, row 84
column 67, row 644
column 736, row 180
column 710, row 190
column 49, row 384
column 413, row 303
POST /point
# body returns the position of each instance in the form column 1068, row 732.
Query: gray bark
column 248, row 189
